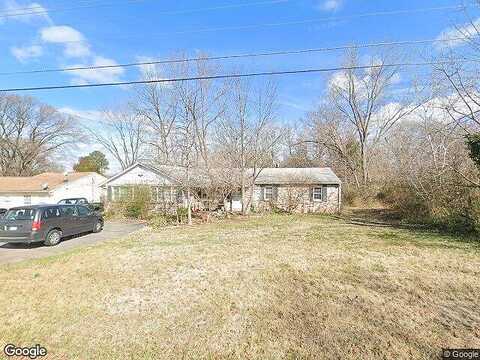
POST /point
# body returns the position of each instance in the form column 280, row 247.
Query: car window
column 21, row 214
column 51, row 213
column 67, row 210
column 81, row 201
column 83, row 211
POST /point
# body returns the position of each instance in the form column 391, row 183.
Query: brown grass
column 260, row 288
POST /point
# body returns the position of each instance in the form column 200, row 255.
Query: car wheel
column 53, row 238
column 98, row 227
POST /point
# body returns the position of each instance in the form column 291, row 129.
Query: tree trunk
column 189, row 207
column 363, row 151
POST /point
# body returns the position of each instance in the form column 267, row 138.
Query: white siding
column 140, row 176
column 8, row 201
column 87, row 187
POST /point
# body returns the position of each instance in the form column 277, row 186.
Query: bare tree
column 363, row 99
column 30, row 135
column 122, row 134
column 248, row 133
column 159, row 105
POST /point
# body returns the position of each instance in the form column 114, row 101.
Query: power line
column 173, row 12
column 235, row 56
column 43, row 11
column 286, row 23
column 229, row 76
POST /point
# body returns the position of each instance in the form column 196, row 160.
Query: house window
column 116, row 193
column 317, row 194
column 27, row 200
column 268, row 193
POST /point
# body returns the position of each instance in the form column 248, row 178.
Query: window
column 27, row 200
column 268, row 193
column 317, row 194
column 67, row 211
column 51, row 213
column 116, row 193
column 21, row 214
column 83, row 211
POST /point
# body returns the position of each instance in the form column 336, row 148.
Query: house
column 299, row 190
column 49, row 188
column 302, row 190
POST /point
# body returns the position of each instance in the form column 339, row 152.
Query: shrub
column 158, row 221
column 139, row 205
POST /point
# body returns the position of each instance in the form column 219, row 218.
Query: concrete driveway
column 10, row 253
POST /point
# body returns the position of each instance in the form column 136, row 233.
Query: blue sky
column 133, row 30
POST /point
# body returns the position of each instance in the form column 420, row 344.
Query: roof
column 10, row 184
column 279, row 176
column 267, row 176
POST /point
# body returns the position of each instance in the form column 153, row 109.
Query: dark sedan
column 47, row 223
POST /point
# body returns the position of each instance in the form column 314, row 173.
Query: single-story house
column 299, row 189
column 49, row 188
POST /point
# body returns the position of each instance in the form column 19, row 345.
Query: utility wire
column 278, row 24
column 235, row 56
column 237, row 75
column 42, row 11
column 173, row 12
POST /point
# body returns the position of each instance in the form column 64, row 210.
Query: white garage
column 49, row 188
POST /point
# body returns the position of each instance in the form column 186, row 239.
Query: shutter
column 275, row 193
column 109, row 193
column 324, row 193
column 262, row 195
column 311, row 194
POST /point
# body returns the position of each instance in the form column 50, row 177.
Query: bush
column 138, row 207
column 158, row 221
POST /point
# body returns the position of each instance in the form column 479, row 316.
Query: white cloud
column 468, row 30
column 27, row 52
column 24, row 12
column 331, row 5
column 75, row 44
column 82, row 77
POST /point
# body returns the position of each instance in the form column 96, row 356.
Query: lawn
column 260, row 288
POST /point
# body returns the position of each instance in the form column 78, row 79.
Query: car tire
column 53, row 238
column 98, row 227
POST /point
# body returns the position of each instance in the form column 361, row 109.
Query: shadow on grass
column 427, row 235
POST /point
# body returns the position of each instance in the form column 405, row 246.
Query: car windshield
column 21, row 214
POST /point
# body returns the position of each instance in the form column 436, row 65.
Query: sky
column 60, row 33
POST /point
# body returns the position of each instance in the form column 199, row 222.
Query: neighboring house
column 49, row 188
column 299, row 190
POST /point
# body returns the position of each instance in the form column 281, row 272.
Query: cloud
column 24, row 12
column 82, row 77
column 459, row 34
column 27, row 52
column 330, row 5
column 75, row 44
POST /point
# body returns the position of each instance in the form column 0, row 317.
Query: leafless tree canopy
column 30, row 135
column 122, row 134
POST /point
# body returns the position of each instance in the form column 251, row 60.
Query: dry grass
column 263, row 288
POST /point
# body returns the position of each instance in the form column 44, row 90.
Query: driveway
column 10, row 253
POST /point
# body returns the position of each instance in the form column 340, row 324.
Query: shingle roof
column 10, row 184
column 274, row 176
column 268, row 176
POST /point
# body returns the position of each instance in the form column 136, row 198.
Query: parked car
column 48, row 223
column 3, row 212
column 82, row 201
